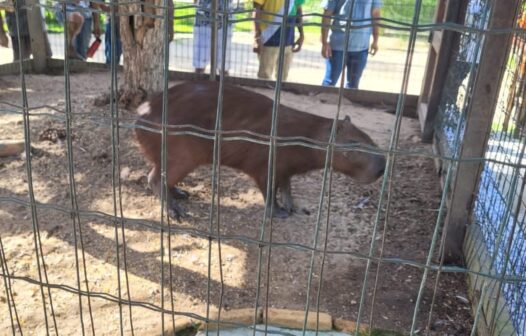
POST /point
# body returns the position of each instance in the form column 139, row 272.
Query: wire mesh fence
column 308, row 66
column 77, row 241
column 496, row 238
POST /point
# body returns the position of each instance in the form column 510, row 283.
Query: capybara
column 195, row 103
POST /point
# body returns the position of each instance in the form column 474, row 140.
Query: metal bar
column 42, row 272
column 77, row 229
column 8, row 292
column 387, row 180
column 213, row 40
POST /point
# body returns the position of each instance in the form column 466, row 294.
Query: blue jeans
column 107, row 41
column 355, row 64
column 83, row 38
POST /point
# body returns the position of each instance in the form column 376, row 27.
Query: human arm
column 326, row 51
column 3, row 34
column 96, row 19
column 299, row 23
column 171, row 20
column 101, row 6
column 375, row 13
column 257, row 27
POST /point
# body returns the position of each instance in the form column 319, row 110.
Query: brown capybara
column 195, row 103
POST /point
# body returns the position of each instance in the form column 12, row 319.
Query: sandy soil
column 414, row 202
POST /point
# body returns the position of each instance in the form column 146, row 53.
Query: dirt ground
column 413, row 210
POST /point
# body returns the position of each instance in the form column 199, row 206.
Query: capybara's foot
column 289, row 207
column 280, row 213
column 176, row 212
column 180, row 194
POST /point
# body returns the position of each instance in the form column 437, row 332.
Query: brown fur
column 195, row 103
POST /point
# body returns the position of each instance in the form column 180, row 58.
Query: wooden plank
column 384, row 100
column 10, row 69
column 438, row 66
column 436, row 41
column 421, row 110
column 11, row 147
column 364, row 97
column 478, row 126
column 478, row 259
column 438, row 161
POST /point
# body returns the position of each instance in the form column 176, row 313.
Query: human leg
column 118, row 43
column 16, row 48
column 83, row 38
column 333, row 68
column 25, row 42
column 228, row 50
column 287, row 61
column 267, row 61
column 201, row 48
column 356, row 62
column 74, row 23
column 107, row 42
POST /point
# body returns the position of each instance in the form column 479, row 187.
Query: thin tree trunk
column 142, row 46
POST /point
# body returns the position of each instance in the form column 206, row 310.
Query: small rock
column 125, row 173
column 462, row 299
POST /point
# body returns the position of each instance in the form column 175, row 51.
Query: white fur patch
column 143, row 109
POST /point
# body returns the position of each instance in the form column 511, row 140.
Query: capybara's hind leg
column 277, row 211
column 179, row 193
column 286, row 197
column 154, row 181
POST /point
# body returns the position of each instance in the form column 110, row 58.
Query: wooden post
column 213, row 39
column 436, row 68
column 479, row 117
column 39, row 41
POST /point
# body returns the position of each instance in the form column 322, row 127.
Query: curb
column 285, row 318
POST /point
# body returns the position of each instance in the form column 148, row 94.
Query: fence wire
column 498, row 215
column 308, row 65
column 496, row 239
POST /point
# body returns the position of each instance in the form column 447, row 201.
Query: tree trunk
column 142, row 46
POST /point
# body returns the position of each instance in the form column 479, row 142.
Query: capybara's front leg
column 174, row 210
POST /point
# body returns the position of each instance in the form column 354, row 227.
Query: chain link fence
column 496, row 238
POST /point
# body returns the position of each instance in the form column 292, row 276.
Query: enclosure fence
column 496, row 261
column 496, row 237
column 383, row 71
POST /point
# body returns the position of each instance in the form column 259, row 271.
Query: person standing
column 107, row 33
column 4, row 41
column 79, row 22
column 20, row 40
column 203, row 34
column 107, row 40
column 268, row 19
column 359, row 38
